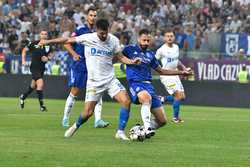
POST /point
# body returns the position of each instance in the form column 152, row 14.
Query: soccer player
column 39, row 56
column 139, row 79
column 100, row 48
column 168, row 54
column 78, row 72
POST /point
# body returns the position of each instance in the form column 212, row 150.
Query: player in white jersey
column 100, row 49
column 78, row 72
column 168, row 54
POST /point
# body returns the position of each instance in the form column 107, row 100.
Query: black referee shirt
column 36, row 53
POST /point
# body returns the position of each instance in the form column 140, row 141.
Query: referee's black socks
column 40, row 96
column 26, row 94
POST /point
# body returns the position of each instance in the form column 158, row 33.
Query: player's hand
column 44, row 58
column 187, row 69
column 187, row 72
column 42, row 42
column 76, row 57
column 136, row 61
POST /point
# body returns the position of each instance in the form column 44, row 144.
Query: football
column 137, row 133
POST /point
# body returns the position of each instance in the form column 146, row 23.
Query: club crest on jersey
column 135, row 53
column 46, row 48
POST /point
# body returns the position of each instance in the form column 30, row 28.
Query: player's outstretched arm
column 24, row 52
column 162, row 71
column 125, row 60
column 57, row 41
column 71, row 51
column 183, row 67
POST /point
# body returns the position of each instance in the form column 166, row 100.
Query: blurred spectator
column 198, row 22
column 12, row 39
column 240, row 55
column 243, row 75
column 22, row 42
column 180, row 36
column 128, row 6
column 190, row 39
column 235, row 24
column 227, row 26
column 2, row 61
column 246, row 25
column 66, row 25
column 78, row 16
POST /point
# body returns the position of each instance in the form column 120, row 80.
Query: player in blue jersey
column 78, row 72
column 139, row 79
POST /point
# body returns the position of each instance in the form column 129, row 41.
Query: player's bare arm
column 71, row 51
column 24, row 52
column 162, row 71
column 183, row 66
column 61, row 40
column 125, row 60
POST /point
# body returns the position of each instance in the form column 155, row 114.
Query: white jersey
column 99, row 55
column 169, row 56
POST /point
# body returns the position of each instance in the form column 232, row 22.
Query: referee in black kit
column 39, row 57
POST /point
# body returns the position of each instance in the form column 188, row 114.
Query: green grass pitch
column 210, row 137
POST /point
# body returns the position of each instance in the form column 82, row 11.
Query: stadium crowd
column 197, row 23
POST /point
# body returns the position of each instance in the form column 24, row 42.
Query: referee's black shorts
column 37, row 74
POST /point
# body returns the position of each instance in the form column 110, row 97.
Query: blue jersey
column 142, row 72
column 78, row 70
column 139, row 76
column 79, row 48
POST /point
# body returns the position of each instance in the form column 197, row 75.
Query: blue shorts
column 77, row 78
column 136, row 87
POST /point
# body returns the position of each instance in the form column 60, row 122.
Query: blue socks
column 124, row 115
column 80, row 121
column 169, row 99
column 176, row 108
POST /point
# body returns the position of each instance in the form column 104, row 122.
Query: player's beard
column 144, row 47
column 91, row 23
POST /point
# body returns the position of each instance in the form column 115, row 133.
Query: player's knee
column 126, row 102
column 74, row 91
column 145, row 98
column 180, row 96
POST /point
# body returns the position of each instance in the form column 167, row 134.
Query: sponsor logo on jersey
column 100, row 52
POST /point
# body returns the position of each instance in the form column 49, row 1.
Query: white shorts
column 94, row 93
column 172, row 84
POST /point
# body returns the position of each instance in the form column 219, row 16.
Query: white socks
column 68, row 105
column 146, row 114
column 98, row 110
column 153, row 123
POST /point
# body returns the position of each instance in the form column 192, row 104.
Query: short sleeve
column 126, row 51
column 158, row 54
column 154, row 63
column 81, row 39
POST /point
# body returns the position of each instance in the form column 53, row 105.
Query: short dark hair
column 144, row 31
column 102, row 24
column 92, row 8
column 169, row 30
